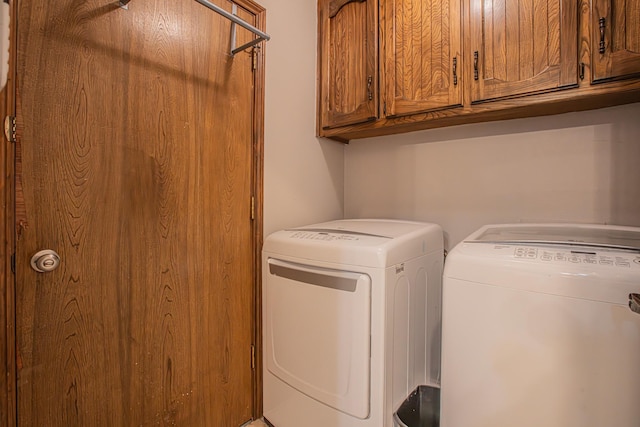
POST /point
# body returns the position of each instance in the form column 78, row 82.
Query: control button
column 575, row 259
column 546, row 257
column 623, row 264
column 591, row 261
column 560, row 257
column 606, row 262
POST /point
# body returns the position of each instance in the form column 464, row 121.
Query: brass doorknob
column 45, row 261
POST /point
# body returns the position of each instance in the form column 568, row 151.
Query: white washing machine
column 541, row 327
column 351, row 320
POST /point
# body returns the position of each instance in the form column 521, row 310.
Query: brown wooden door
column 615, row 38
column 135, row 165
column 422, row 60
column 522, row 46
column 348, row 62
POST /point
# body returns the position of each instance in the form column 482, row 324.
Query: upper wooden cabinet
column 392, row 66
column 522, row 46
column 348, row 61
column 422, row 55
column 615, row 28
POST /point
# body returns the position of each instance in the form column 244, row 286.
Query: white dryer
column 541, row 327
column 351, row 320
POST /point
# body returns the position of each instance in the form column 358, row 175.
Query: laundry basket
column 420, row 409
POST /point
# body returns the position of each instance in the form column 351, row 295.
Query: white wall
column 303, row 175
column 577, row 167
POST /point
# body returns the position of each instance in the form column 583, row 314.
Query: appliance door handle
column 324, row 277
column 634, row 303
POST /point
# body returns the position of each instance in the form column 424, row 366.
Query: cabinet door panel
column 422, row 39
column 522, row 46
column 615, row 47
column 348, row 55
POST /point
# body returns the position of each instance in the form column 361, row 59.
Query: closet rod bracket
column 237, row 20
column 233, row 17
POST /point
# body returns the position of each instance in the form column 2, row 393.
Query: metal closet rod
column 233, row 18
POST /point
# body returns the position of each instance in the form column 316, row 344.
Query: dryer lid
column 603, row 236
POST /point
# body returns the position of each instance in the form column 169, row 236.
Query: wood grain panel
column 440, row 48
column 513, row 44
column 633, row 16
column 348, row 61
column 524, row 46
column 621, row 56
column 421, row 38
column 498, row 13
column 526, row 39
column 541, row 41
column 7, row 247
column 138, row 170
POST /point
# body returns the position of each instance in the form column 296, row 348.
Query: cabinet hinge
column 253, row 357
column 253, row 208
column 581, row 71
column 10, row 128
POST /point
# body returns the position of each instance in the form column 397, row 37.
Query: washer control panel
column 554, row 255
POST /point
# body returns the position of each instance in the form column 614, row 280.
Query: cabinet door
column 422, row 59
column 522, row 46
column 616, row 38
column 348, row 61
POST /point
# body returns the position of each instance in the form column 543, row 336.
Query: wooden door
column 615, row 33
column 134, row 163
column 522, row 46
column 422, row 60
column 348, row 43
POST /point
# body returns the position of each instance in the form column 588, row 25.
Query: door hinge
column 253, row 357
column 253, row 208
column 10, row 128
column 254, row 58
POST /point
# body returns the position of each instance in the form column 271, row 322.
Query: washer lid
column 602, row 236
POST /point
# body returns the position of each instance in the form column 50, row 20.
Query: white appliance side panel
column 318, row 333
column 518, row 358
column 413, row 313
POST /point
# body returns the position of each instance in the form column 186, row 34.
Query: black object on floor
column 420, row 409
